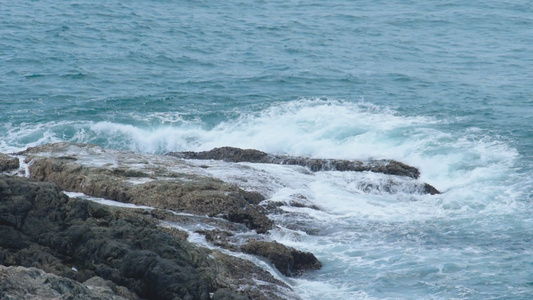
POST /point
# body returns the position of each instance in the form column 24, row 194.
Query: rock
column 251, row 217
column 227, row 294
column 289, row 261
column 231, row 154
column 32, row 283
column 107, row 289
column 238, row 274
column 219, row 238
column 179, row 234
column 8, row 163
column 183, row 192
column 429, row 189
column 77, row 239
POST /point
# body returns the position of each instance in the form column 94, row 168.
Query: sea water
column 443, row 86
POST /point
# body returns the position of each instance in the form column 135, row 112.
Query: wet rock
column 396, row 168
column 299, row 200
column 8, row 163
column 252, row 218
column 227, row 294
column 238, row 274
column 219, row 238
column 188, row 220
column 32, row 283
column 429, row 189
column 393, row 186
column 179, row 234
column 289, row 261
column 231, row 154
column 77, row 239
column 182, row 192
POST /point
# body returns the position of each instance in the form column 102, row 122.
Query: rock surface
column 288, row 261
column 32, row 283
column 232, row 154
column 41, row 227
column 8, row 163
column 157, row 188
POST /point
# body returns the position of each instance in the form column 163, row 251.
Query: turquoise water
column 447, row 87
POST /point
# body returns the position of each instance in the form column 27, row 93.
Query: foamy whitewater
column 446, row 88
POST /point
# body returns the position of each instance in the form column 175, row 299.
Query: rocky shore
column 56, row 244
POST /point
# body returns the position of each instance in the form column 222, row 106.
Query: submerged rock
column 77, row 239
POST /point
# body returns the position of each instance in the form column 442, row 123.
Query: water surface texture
column 444, row 86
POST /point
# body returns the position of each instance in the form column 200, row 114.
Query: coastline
column 175, row 204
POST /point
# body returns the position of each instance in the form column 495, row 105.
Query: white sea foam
column 105, row 201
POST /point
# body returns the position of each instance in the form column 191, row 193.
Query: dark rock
column 396, row 168
column 238, row 274
column 231, row 154
column 252, row 218
column 8, row 163
column 429, row 189
column 42, row 227
column 289, row 261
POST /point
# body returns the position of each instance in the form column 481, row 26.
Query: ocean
column 445, row 86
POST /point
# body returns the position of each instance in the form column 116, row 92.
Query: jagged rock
column 183, row 192
column 232, row 154
column 32, row 283
column 78, row 239
column 8, row 163
column 238, row 274
column 429, row 189
column 289, row 261
column 229, row 154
